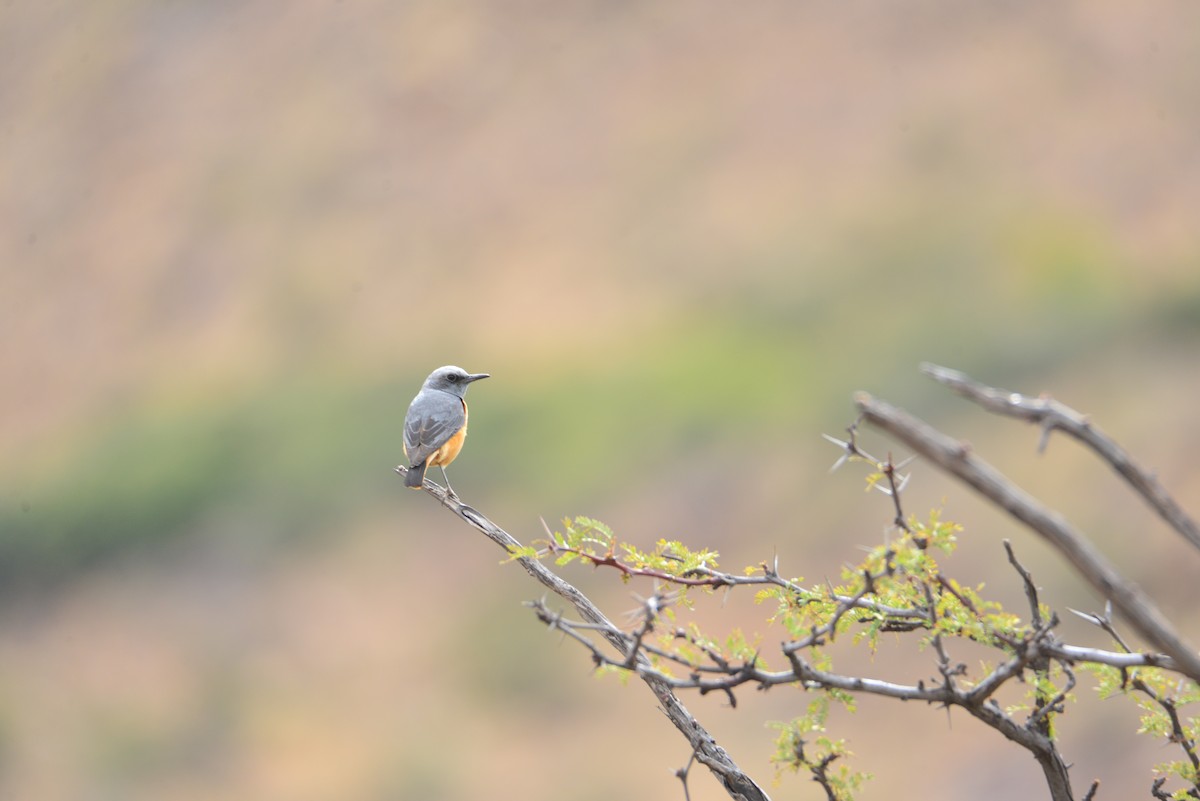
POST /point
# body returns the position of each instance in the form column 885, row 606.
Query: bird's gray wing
column 432, row 419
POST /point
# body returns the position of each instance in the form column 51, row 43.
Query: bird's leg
column 449, row 489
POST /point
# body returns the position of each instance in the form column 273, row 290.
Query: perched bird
column 436, row 424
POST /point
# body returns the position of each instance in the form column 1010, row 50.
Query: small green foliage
column 588, row 527
column 612, row 670
column 872, row 627
column 769, row 594
column 1162, row 696
column 522, row 552
column 593, row 542
column 1109, row 680
column 739, row 649
column 684, row 649
column 698, row 638
column 581, row 537
column 898, row 586
column 670, row 557
column 803, row 744
column 874, row 480
column 1043, row 688
column 801, row 615
column 936, row 532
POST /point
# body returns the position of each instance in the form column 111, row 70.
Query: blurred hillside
column 235, row 237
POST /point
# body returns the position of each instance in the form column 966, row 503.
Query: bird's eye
column 452, row 378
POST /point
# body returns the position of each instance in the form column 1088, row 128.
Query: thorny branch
column 956, row 458
column 736, row 782
column 1051, row 415
column 1177, row 733
column 1035, row 607
column 1164, row 701
column 1030, row 652
column 897, row 618
column 1033, row 651
column 977, row 700
column 820, row 774
column 683, row 773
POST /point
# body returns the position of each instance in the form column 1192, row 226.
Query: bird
column 436, row 424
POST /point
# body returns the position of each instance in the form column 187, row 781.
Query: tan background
column 234, row 238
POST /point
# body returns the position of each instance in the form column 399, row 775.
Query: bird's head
column 454, row 380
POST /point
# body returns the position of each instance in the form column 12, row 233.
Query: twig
column 948, row 586
column 1033, row 649
column 708, row 577
column 736, row 782
column 1050, row 415
column 851, row 451
column 1075, row 653
column 1031, row 593
column 894, row 489
column 682, row 775
column 820, row 775
column 1178, row 735
column 703, row 577
column 1105, row 622
column 975, row 700
column 1048, row 706
column 956, row 458
column 649, row 615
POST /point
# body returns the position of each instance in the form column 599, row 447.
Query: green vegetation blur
column 236, row 238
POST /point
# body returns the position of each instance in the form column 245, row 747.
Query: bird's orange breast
column 449, row 450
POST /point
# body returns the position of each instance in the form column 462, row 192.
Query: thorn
column 1088, row 616
column 847, row 447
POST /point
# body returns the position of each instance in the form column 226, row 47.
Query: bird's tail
column 415, row 475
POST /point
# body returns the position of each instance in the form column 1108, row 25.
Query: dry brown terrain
column 234, row 237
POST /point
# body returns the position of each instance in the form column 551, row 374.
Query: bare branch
column 1050, row 414
column 956, row 458
column 1035, row 608
column 682, row 775
column 1106, row 622
column 1049, row 706
column 1075, row 653
column 894, row 489
column 820, row 775
column 975, row 700
column 736, row 782
column 1169, row 706
column 814, row 616
column 709, row 577
column 1031, row 651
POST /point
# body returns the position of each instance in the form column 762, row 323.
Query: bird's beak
column 477, row 376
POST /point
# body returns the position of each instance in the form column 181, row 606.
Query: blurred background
column 235, row 238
